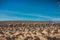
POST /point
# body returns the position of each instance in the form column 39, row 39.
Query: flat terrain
column 29, row 30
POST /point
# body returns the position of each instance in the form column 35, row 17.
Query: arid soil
column 29, row 30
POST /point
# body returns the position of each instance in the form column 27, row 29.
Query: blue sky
column 35, row 10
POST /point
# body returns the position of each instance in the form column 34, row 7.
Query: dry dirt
column 29, row 30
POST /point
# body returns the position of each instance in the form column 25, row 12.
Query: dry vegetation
column 29, row 30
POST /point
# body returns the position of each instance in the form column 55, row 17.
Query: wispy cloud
column 5, row 15
column 55, row 19
column 37, row 15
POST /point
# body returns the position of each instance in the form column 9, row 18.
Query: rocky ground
column 29, row 31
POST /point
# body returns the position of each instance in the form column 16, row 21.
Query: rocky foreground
column 29, row 30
